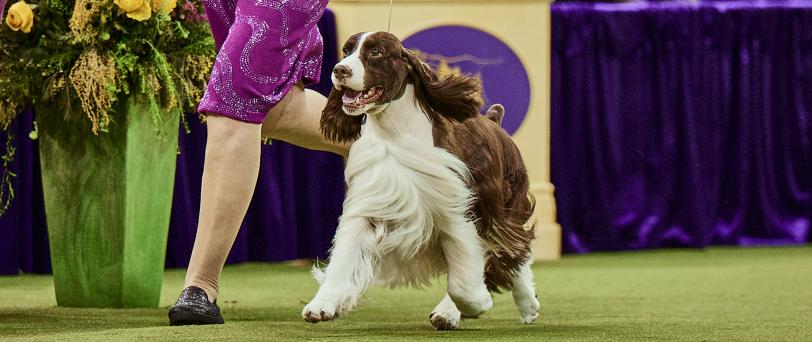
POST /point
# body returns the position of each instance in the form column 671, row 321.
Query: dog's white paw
column 445, row 319
column 529, row 310
column 319, row 311
column 474, row 303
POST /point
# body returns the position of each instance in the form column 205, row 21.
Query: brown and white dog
column 432, row 187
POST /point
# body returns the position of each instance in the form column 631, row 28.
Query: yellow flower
column 129, row 5
column 136, row 9
column 142, row 13
column 20, row 17
column 164, row 6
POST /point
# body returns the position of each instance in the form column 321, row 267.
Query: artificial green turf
column 712, row 295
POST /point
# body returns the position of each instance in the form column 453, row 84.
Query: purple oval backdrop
column 472, row 51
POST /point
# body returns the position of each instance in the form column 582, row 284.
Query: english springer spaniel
column 433, row 186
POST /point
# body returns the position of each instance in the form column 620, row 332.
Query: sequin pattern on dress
column 264, row 48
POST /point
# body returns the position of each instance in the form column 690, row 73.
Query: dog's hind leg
column 465, row 256
column 524, row 294
column 445, row 315
column 349, row 273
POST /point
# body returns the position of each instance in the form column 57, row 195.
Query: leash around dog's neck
column 388, row 29
column 389, row 25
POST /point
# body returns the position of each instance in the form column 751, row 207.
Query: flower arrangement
column 84, row 56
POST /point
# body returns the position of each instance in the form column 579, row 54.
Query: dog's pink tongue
column 350, row 96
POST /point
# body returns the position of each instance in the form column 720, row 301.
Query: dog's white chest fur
column 410, row 190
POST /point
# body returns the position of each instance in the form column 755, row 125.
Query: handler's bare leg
column 296, row 120
column 230, row 174
column 229, row 177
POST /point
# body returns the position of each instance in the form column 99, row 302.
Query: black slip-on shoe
column 193, row 307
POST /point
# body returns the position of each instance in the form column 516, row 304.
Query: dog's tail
column 496, row 113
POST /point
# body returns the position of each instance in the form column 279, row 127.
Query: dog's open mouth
column 357, row 99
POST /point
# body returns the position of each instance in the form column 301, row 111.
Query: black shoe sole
column 190, row 318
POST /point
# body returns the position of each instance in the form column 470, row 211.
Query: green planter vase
column 108, row 200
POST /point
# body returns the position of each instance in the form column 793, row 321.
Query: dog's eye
column 375, row 53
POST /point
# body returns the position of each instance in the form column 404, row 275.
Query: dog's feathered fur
column 464, row 148
column 499, row 180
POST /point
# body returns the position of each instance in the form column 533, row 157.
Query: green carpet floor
column 720, row 294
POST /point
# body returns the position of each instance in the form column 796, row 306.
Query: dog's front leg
column 465, row 256
column 349, row 273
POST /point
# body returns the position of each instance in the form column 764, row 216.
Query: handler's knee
column 230, row 135
column 280, row 119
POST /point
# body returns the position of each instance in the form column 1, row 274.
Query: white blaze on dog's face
column 372, row 73
column 349, row 72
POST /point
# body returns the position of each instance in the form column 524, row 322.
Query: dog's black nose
column 342, row 71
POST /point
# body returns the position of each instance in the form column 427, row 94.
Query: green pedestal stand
column 108, row 199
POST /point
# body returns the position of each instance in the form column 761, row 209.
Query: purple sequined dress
column 264, row 47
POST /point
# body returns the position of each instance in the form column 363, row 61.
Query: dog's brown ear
column 452, row 96
column 337, row 126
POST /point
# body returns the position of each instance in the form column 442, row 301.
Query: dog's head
column 375, row 71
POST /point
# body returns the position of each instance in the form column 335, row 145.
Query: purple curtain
column 23, row 234
column 293, row 214
column 682, row 125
